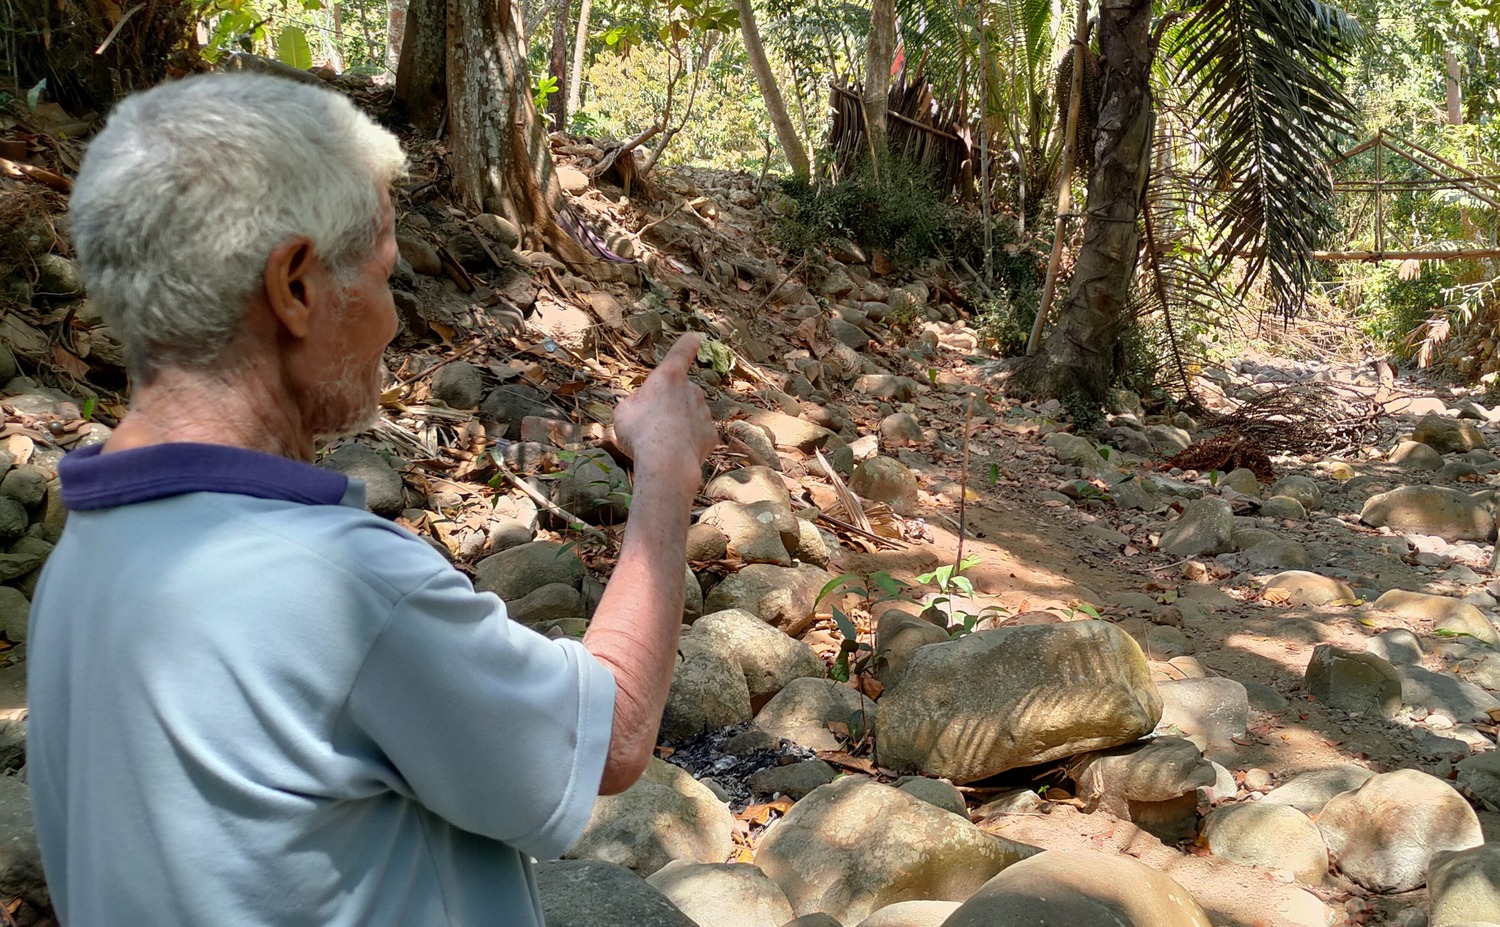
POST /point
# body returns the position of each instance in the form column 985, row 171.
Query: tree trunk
column 395, row 33
column 879, row 54
column 557, row 103
column 1078, row 358
column 499, row 153
column 421, row 77
column 580, row 46
column 1453, row 88
column 791, row 144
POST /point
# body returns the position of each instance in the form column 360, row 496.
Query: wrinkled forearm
column 635, row 629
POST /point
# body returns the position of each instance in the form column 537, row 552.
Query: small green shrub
column 900, row 209
column 1392, row 308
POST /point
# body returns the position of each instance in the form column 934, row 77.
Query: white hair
column 191, row 185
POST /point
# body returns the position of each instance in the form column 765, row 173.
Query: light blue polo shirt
column 253, row 703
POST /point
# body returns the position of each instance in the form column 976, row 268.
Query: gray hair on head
column 190, row 186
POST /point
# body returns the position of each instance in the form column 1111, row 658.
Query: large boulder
column 1384, row 833
column 383, row 494
column 1076, row 450
column 1464, row 885
column 1441, row 693
column 1302, row 488
column 912, row 914
column 767, row 658
column 1479, row 778
column 1080, row 889
column 998, row 699
column 1154, row 783
column 1208, row 712
column 802, row 711
column 1448, row 435
column 1299, row 587
column 20, row 855
column 1271, row 836
column 594, row 488
column 591, row 893
column 747, row 485
column 790, row 431
column 1445, row 613
column 509, row 404
column 1206, row 526
column 516, row 572
column 1353, row 681
column 1309, row 792
column 708, row 691
column 783, row 597
column 900, row 635
column 1447, row 513
column 855, row 846
column 756, row 532
column 723, row 894
column 665, row 815
column 460, row 385
column 881, row 479
column 1414, row 455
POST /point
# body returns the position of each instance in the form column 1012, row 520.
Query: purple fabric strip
column 93, row 480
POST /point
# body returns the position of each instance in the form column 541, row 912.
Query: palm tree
column 1257, row 83
column 1262, row 88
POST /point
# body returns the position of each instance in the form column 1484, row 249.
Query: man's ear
column 294, row 281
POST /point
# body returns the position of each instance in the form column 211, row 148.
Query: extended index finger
column 684, row 353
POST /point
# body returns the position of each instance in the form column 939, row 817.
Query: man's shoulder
column 339, row 538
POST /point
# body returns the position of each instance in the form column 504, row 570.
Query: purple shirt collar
column 92, row 480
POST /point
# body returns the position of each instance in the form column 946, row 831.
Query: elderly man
column 253, row 703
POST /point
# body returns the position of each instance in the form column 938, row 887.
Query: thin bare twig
column 428, row 371
column 779, row 284
column 963, row 489
column 118, row 26
column 541, row 500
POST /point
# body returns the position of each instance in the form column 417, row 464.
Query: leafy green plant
column 585, row 123
column 546, row 86
column 1083, row 608
column 948, row 580
column 854, row 655
column 716, row 354
column 899, row 208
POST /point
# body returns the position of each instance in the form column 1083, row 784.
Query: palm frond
column 1266, row 81
column 943, row 35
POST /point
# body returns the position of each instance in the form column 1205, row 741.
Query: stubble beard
column 350, row 404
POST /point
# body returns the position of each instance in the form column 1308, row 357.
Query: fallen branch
column 36, row 175
column 572, row 520
column 428, row 371
column 655, row 222
column 244, row 61
column 118, row 26
column 779, row 284
column 598, row 170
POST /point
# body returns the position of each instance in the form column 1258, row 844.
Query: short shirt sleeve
column 492, row 726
